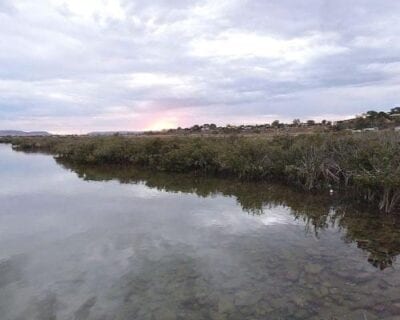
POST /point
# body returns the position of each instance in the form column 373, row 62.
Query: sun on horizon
column 162, row 124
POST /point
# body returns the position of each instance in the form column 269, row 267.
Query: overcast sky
column 85, row 65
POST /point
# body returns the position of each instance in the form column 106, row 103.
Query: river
column 105, row 243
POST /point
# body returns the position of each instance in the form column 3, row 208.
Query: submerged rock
column 225, row 305
column 313, row 268
column 245, row 298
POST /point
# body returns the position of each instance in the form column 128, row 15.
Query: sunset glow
column 163, row 123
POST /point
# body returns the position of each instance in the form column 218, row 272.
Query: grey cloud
column 56, row 62
column 6, row 7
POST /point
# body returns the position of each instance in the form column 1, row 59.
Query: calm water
column 106, row 243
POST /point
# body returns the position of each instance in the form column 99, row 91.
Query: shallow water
column 119, row 243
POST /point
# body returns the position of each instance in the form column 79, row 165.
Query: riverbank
column 366, row 165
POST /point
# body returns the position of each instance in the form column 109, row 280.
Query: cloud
column 71, row 66
column 240, row 45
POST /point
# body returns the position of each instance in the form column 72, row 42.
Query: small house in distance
column 370, row 129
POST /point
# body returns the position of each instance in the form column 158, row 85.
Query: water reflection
column 159, row 246
column 376, row 234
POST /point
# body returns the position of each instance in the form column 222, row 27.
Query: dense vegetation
column 372, row 119
column 365, row 165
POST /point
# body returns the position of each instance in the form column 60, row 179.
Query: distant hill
column 16, row 133
column 111, row 133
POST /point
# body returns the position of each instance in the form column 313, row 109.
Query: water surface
column 121, row 243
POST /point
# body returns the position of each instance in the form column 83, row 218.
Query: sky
column 99, row 65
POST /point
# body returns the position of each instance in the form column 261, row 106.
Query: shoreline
column 367, row 166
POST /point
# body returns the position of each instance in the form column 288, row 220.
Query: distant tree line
column 369, row 120
column 373, row 120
